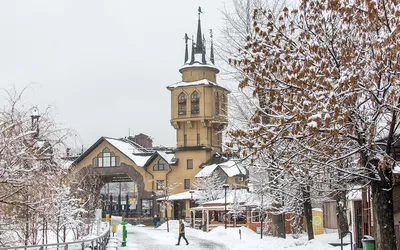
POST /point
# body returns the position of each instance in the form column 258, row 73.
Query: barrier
column 100, row 242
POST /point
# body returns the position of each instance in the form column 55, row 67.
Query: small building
column 232, row 171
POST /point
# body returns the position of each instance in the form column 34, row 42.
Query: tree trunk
column 382, row 207
column 341, row 213
column 278, row 230
column 58, row 230
column 64, row 234
column 166, row 216
column 308, row 211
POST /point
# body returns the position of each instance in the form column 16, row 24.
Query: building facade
column 198, row 114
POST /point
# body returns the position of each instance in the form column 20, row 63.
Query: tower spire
column 192, row 59
column 212, row 47
column 186, row 48
column 199, row 41
column 203, row 53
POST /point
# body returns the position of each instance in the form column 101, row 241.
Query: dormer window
column 195, row 99
column 182, row 104
column 216, row 103
column 161, row 165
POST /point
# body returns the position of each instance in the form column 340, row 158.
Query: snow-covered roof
column 197, row 64
column 195, row 83
column 168, row 157
column 130, row 151
column 228, row 207
column 241, row 195
column 354, row 194
column 182, row 196
column 230, row 167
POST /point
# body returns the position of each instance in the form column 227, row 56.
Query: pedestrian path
column 145, row 238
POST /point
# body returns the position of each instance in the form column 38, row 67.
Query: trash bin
column 368, row 242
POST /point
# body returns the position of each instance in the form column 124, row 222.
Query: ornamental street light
column 191, row 202
column 225, row 186
column 191, row 197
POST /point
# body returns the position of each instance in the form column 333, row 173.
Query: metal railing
column 100, row 242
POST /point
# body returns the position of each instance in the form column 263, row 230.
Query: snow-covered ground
column 140, row 237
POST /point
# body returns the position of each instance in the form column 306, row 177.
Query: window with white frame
column 255, row 215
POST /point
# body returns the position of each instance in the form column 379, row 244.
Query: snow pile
column 173, row 224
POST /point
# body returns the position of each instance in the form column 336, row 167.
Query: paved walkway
column 152, row 239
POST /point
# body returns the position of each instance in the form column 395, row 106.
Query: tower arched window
column 224, row 104
column 195, row 99
column 182, row 104
column 217, row 103
column 106, row 159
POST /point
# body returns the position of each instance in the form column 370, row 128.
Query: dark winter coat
column 181, row 228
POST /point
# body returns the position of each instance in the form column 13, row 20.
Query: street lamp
column 191, row 201
column 225, row 186
column 191, row 197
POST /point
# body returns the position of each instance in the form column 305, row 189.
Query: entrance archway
column 89, row 180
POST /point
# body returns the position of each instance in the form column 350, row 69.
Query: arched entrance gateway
column 110, row 161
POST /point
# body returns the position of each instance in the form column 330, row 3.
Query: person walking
column 155, row 221
column 182, row 233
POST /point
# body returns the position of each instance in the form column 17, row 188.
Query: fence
column 99, row 243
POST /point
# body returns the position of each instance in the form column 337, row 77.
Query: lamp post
column 225, row 186
column 191, row 197
column 191, row 202
column 152, row 196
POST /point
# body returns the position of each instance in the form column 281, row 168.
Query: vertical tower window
column 224, row 104
column 198, row 139
column 217, row 103
column 182, row 104
column 185, row 140
column 187, row 183
column 189, row 164
column 195, row 98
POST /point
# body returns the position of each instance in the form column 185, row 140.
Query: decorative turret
column 35, row 121
column 212, row 47
column 186, row 48
column 198, row 54
column 199, row 42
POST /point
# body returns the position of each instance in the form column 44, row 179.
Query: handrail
column 100, row 240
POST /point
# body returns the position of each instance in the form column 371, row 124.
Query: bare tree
column 209, row 188
column 30, row 147
column 332, row 90
column 165, row 191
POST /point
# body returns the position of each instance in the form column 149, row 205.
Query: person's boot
column 187, row 243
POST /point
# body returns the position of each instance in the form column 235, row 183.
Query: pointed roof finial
column 186, row 48
column 212, row 47
column 203, row 53
column 199, row 42
column 192, row 59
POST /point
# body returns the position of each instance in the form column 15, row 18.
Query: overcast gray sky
column 103, row 66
